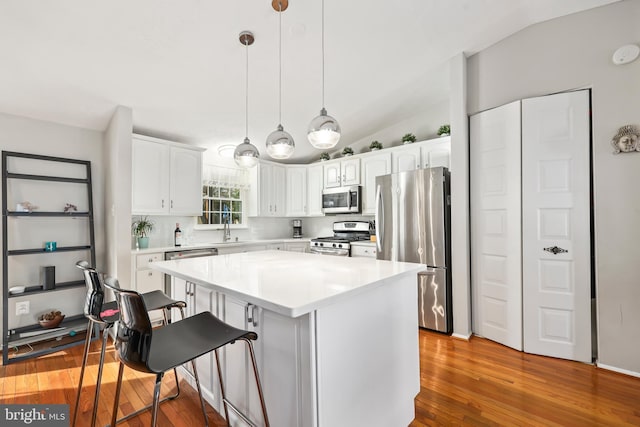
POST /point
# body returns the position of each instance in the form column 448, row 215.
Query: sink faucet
column 227, row 231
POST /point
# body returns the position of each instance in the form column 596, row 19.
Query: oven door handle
column 330, row 251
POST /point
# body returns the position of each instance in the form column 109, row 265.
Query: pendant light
column 324, row 130
column 280, row 143
column 246, row 155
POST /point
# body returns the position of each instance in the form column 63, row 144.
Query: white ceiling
column 180, row 67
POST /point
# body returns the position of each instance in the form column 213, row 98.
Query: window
column 223, row 196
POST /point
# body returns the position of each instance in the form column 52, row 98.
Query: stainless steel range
column 344, row 232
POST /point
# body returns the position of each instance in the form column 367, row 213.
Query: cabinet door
column 204, row 301
column 373, row 166
column 265, row 188
column 296, row 191
column 350, row 172
column 363, row 251
column 186, row 182
column 406, row 159
column 332, row 175
column 237, row 378
column 436, row 153
column 149, row 178
column 314, row 190
column 278, row 190
column 296, row 247
column 179, row 293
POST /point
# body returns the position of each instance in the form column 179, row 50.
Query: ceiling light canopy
column 324, row 131
column 226, row 151
column 246, row 154
column 280, row 144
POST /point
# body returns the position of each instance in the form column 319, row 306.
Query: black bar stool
column 156, row 351
column 106, row 314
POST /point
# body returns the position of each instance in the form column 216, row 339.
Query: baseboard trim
column 619, row 370
column 462, row 337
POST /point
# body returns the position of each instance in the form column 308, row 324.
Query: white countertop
column 289, row 283
column 216, row 245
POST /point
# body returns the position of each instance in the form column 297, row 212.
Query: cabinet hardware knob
column 150, row 273
column 163, row 203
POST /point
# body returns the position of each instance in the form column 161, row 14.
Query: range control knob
column 334, row 245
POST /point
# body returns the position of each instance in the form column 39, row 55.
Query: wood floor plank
column 474, row 383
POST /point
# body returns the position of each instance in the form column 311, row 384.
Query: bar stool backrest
column 95, row 294
column 133, row 339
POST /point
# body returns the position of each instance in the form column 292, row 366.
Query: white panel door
column 556, row 213
column 495, row 224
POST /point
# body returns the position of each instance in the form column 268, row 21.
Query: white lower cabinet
column 363, row 250
column 296, row 246
column 280, row 340
column 147, row 280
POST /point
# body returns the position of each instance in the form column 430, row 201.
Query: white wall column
column 460, row 269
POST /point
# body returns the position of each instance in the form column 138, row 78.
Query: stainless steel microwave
column 342, row 200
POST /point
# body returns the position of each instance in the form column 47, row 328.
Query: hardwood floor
column 476, row 383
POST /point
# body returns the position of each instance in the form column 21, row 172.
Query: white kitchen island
column 337, row 336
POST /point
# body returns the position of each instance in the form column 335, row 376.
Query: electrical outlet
column 22, row 307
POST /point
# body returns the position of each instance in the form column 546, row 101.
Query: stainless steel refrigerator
column 412, row 223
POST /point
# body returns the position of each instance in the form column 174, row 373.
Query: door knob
column 555, row 250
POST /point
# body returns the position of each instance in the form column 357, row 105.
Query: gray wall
column 575, row 52
column 26, row 135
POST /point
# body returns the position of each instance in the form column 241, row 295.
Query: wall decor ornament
column 626, row 140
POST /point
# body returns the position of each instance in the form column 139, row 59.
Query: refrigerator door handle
column 379, row 217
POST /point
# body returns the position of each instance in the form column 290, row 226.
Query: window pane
column 215, row 218
column 205, row 190
column 236, row 207
column 236, row 218
column 216, row 205
column 215, row 192
column 235, row 193
column 224, row 192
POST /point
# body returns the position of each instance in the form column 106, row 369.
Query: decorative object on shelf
column 324, row 156
column 347, row 151
column 280, row 144
column 375, row 145
column 68, row 208
column 51, row 319
column 626, row 140
column 408, row 138
column 50, row 246
column 141, row 228
column 49, row 278
column 246, row 154
column 25, row 207
column 444, row 130
column 324, row 130
column 17, row 290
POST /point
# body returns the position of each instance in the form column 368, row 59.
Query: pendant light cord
column 246, row 87
column 323, row 55
column 280, row 62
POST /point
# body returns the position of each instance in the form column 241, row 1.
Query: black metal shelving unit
column 73, row 328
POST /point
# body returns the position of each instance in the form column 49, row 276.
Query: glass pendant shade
column 246, row 154
column 324, row 131
column 280, row 144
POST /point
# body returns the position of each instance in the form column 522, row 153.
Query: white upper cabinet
column 271, row 189
column 296, row 191
column 149, row 177
column 186, row 182
column 314, row 190
column 166, row 178
column 420, row 155
column 406, row 158
column 373, row 166
column 342, row 173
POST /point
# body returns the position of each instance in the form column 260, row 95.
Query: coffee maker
column 297, row 228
